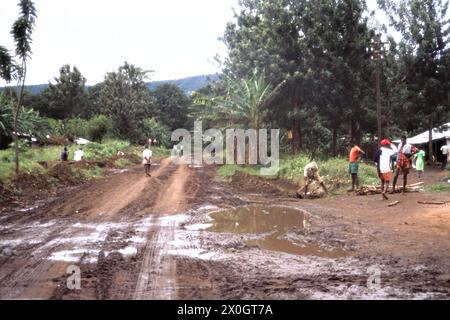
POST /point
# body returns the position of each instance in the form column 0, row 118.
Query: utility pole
column 378, row 52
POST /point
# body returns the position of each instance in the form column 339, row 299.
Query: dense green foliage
column 299, row 65
column 323, row 50
column 67, row 97
column 333, row 171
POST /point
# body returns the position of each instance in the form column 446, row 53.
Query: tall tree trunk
column 300, row 136
column 430, row 138
column 16, row 115
column 257, row 141
column 352, row 130
column 293, row 137
column 334, row 142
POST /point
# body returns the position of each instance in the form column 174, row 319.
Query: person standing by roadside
column 405, row 152
column 353, row 167
column 78, row 155
column 383, row 161
column 64, row 155
column 445, row 154
column 420, row 162
column 146, row 161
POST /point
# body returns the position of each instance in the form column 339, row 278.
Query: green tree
column 21, row 32
column 67, row 97
column 155, row 130
column 319, row 49
column 171, row 105
column 125, row 98
column 267, row 36
column 340, row 74
column 424, row 52
column 94, row 103
column 98, row 127
column 247, row 100
column 28, row 121
column 75, row 128
column 6, row 64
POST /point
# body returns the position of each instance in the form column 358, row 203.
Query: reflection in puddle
column 257, row 220
column 275, row 242
column 275, row 220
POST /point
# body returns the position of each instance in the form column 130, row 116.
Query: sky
column 175, row 38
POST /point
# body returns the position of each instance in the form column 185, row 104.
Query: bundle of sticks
column 368, row 190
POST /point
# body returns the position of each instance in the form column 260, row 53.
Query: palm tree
column 6, row 64
column 28, row 121
column 21, row 31
column 247, row 100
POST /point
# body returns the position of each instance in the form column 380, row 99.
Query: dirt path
column 157, row 273
column 135, row 237
column 88, row 227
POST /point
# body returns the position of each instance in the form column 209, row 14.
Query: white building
column 440, row 137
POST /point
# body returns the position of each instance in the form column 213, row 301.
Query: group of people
column 391, row 162
column 77, row 156
column 403, row 156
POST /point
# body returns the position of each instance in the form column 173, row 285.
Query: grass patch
column 31, row 157
column 228, row 170
column 438, row 187
column 123, row 163
column 39, row 166
column 334, row 170
column 94, row 172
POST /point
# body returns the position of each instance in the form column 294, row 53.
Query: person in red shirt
column 353, row 166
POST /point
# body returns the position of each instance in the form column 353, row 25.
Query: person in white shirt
column 78, row 155
column 383, row 161
column 445, row 151
column 146, row 161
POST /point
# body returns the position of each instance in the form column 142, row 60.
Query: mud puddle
column 272, row 224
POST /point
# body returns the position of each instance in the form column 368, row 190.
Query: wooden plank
column 393, row 203
column 431, row 202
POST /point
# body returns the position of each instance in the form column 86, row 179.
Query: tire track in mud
column 30, row 276
column 157, row 278
column 31, row 273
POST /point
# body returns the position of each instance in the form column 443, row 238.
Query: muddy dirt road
column 186, row 234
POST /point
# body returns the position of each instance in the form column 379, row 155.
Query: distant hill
column 35, row 88
column 188, row 84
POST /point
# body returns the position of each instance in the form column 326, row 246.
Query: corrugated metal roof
column 423, row 137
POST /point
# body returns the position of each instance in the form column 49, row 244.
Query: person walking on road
column 383, row 161
column 420, row 162
column 353, row 167
column 445, row 154
column 146, row 161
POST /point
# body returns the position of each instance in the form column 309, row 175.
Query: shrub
column 155, row 130
column 55, row 127
column 98, row 127
column 75, row 128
